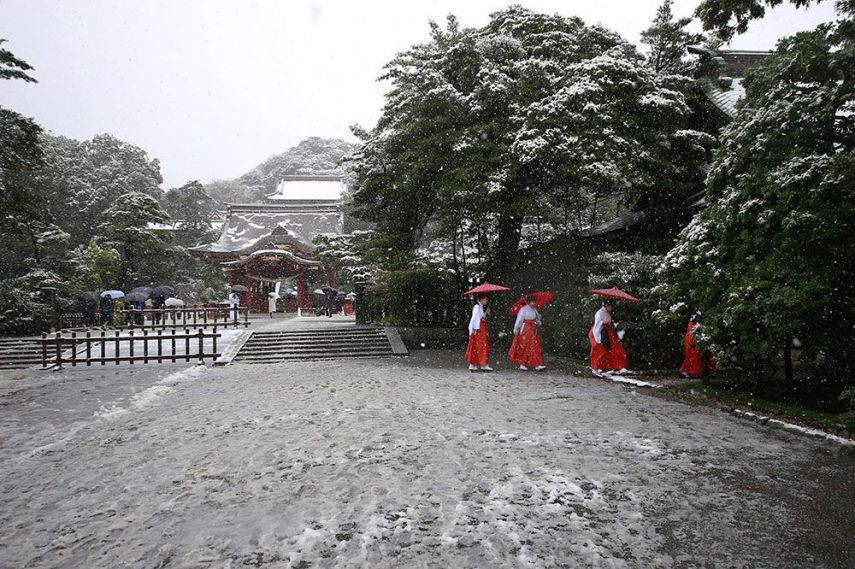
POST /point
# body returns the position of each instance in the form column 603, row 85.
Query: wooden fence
column 157, row 347
column 163, row 318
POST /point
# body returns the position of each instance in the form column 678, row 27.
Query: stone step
column 298, row 357
column 379, row 334
column 314, row 341
column 22, row 356
column 321, row 350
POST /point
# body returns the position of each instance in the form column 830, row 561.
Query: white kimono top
column 234, row 300
column 601, row 318
column 526, row 313
column 477, row 315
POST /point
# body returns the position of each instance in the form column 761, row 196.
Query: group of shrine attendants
column 607, row 353
column 525, row 350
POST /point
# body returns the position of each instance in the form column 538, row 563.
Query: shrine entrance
column 260, row 272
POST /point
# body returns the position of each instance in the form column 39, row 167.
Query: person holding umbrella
column 607, row 354
column 478, row 349
column 88, row 306
column 525, row 349
column 106, row 309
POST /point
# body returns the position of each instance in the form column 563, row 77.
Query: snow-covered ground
column 401, row 463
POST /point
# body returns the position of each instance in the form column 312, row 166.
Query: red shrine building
column 268, row 243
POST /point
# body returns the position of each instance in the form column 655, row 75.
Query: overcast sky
column 213, row 87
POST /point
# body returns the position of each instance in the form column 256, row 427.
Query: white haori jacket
column 526, row 313
column 475, row 321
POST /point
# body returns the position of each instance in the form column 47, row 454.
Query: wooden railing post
column 59, row 350
column 74, row 349
column 145, row 345
column 44, row 349
column 88, row 348
column 201, row 346
column 131, row 348
column 186, row 345
column 160, row 346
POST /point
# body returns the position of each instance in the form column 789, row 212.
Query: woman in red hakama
column 695, row 363
column 478, row 350
column 606, row 350
column 525, row 349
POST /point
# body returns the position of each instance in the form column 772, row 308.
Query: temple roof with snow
column 301, row 208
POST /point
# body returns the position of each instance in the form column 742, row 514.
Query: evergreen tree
column 485, row 130
column 191, row 208
column 771, row 258
column 20, row 153
column 728, row 17
column 667, row 40
column 146, row 256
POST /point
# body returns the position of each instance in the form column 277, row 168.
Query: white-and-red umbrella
column 541, row 299
column 614, row 292
column 486, row 287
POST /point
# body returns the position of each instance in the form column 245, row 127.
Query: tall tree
column 486, row 129
column 667, row 40
column 771, row 258
column 191, row 208
column 146, row 256
column 82, row 180
column 728, row 17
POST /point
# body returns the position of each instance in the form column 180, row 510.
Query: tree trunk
column 788, row 362
column 507, row 244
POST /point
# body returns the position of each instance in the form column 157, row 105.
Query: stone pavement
column 402, row 463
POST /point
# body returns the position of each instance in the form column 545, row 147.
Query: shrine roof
column 245, row 229
column 308, row 188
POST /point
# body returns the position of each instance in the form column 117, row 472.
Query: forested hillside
column 311, row 156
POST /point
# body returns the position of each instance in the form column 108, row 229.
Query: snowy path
column 398, row 463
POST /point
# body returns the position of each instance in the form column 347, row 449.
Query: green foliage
column 419, row 297
column 94, row 267
column 667, row 40
column 81, row 180
column 145, row 254
column 531, row 118
column 771, row 258
column 728, row 17
column 191, row 207
column 22, row 309
column 354, row 255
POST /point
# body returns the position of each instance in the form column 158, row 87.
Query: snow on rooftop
column 308, row 188
column 242, row 230
column 724, row 97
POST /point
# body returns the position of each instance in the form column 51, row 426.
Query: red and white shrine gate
column 269, row 243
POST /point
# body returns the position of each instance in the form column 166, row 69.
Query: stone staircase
column 20, row 353
column 321, row 344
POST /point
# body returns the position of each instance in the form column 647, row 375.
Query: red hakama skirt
column 478, row 350
column 525, row 350
column 693, row 362
column 614, row 358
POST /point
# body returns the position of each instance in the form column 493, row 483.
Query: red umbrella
column 615, row 292
column 486, row 287
column 541, row 299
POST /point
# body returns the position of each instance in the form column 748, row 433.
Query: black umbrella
column 144, row 290
column 134, row 297
column 89, row 297
column 239, row 288
column 163, row 291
